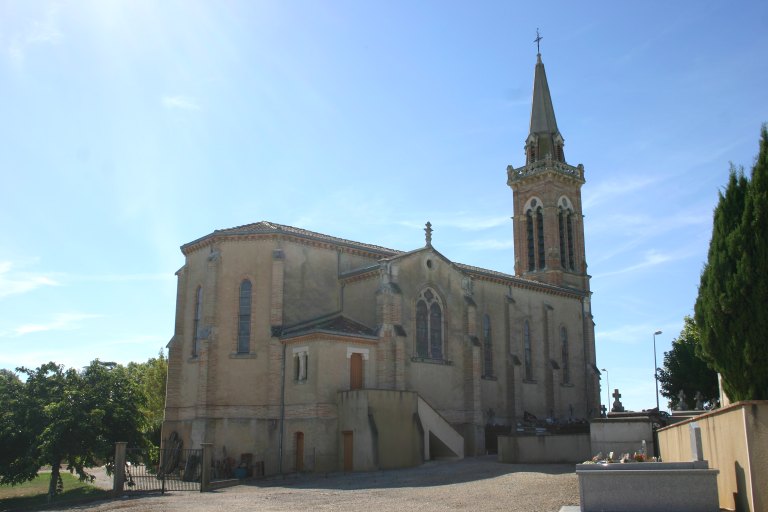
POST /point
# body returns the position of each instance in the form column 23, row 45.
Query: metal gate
column 168, row 469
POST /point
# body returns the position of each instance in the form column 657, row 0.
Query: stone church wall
column 311, row 282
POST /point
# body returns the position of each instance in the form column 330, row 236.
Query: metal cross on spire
column 537, row 41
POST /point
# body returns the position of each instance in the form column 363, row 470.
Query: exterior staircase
column 440, row 439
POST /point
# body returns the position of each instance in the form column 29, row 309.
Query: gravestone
column 697, row 450
column 699, row 401
column 681, row 404
column 617, row 406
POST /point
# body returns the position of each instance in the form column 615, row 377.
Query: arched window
column 487, row 347
column 540, row 237
column 527, row 351
column 422, row 330
column 196, row 321
column 534, row 230
column 564, row 363
column 435, row 331
column 244, row 318
column 529, row 233
column 429, row 326
column 565, row 224
column 570, row 241
column 563, row 249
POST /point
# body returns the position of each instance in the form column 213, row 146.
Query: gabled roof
column 266, row 228
column 335, row 323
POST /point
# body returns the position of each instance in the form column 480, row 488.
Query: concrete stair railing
column 436, row 425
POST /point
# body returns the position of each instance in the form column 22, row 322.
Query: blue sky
column 133, row 127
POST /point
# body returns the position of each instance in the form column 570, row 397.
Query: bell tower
column 546, row 192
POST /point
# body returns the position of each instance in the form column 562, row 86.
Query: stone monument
column 617, row 407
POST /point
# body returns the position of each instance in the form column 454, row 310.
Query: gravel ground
column 477, row 484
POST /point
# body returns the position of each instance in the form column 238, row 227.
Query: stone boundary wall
column 544, row 449
column 735, row 441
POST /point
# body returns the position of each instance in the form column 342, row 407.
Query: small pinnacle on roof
column 428, row 231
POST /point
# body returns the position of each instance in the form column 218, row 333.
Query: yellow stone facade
column 346, row 341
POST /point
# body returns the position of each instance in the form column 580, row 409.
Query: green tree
column 684, row 369
column 152, row 377
column 733, row 293
column 71, row 417
column 18, row 460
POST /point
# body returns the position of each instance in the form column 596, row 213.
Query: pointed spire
column 544, row 140
column 542, row 111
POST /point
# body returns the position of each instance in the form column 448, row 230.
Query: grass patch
column 34, row 493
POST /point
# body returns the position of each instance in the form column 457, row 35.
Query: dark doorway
column 491, row 436
column 348, row 451
column 356, row 371
column 299, row 451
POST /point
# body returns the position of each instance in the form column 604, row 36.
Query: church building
column 316, row 353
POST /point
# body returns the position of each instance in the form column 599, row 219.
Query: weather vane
column 537, row 41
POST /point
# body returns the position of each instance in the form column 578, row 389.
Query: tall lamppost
column 608, row 391
column 655, row 376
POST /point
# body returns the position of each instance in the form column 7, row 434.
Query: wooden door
column 356, row 371
column 348, row 451
column 299, row 451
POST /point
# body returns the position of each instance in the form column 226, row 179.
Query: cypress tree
column 733, row 294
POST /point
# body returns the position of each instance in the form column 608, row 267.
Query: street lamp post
column 608, row 391
column 655, row 367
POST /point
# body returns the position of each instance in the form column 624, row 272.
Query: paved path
column 476, row 484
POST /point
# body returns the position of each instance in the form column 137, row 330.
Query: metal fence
column 170, row 469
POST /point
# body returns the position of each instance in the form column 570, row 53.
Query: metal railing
column 171, row 469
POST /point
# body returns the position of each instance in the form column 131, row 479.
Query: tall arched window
column 487, row 347
column 244, row 318
column 565, row 224
column 429, row 326
column 531, row 246
column 196, row 320
column 435, row 331
column 563, row 247
column 540, row 237
column 422, row 330
column 570, row 241
column 564, row 363
column 527, row 351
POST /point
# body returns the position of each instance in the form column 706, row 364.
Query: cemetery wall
column 621, row 435
column 544, row 449
column 735, row 441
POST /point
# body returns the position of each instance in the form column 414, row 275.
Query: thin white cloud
column 626, row 334
column 142, row 339
column 60, row 322
column 488, row 244
column 120, row 278
column 15, row 282
column 180, row 102
column 38, row 32
column 643, row 224
column 45, row 31
column 600, row 192
column 460, row 221
column 651, row 258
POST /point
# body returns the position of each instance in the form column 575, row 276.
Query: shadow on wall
column 740, row 497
